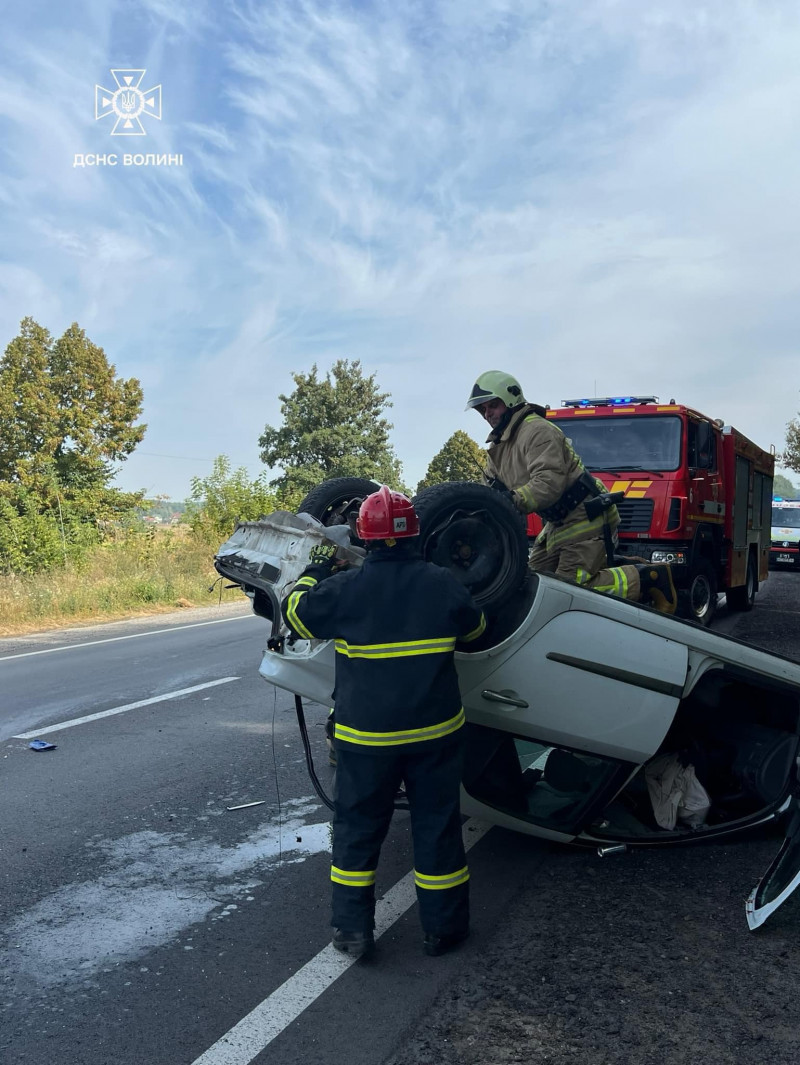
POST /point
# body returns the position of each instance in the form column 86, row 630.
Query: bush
column 34, row 539
column 225, row 497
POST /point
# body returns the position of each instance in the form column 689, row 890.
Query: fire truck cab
column 698, row 493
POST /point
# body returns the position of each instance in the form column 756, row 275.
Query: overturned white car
column 590, row 720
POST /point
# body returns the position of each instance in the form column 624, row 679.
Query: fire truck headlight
column 674, row 558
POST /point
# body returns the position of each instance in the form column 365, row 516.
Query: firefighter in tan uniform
column 532, row 458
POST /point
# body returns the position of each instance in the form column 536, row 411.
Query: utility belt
column 579, row 490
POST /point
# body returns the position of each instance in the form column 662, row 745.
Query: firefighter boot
column 354, row 944
column 434, row 946
column 656, row 584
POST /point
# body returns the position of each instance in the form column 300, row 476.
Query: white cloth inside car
column 676, row 793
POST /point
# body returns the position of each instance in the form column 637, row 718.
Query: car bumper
column 785, row 556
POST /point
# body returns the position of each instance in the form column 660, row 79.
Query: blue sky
column 589, row 194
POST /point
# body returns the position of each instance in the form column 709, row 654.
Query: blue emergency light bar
column 608, row 401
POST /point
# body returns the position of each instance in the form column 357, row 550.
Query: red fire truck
column 698, row 493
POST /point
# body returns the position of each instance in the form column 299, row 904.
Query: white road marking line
column 122, row 709
column 132, row 636
column 258, row 1028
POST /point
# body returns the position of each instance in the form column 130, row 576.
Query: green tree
column 65, row 413
column 783, row 487
column 332, row 427
column 97, row 411
column 28, row 405
column 226, row 496
column 791, row 456
column 461, row 459
column 66, row 418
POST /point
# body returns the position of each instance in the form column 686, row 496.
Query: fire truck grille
column 635, row 515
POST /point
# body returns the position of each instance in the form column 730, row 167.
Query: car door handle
column 507, row 697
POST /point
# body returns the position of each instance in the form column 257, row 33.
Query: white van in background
column 785, row 549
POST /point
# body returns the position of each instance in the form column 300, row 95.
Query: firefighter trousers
column 364, row 793
column 585, row 562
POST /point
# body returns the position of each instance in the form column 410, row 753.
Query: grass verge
column 145, row 574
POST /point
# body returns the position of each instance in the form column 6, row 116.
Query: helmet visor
column 479, row 396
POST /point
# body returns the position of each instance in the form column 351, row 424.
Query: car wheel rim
column 472, row 546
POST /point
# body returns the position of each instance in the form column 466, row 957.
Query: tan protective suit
column 534, row 459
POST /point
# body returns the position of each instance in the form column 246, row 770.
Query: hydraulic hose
column 301, row 721
column 318, row 788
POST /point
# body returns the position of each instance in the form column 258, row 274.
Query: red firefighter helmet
column 387, row 515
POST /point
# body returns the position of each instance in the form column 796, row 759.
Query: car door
column 584, row 681
column 783, row 875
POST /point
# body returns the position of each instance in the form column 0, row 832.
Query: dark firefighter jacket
column 395, row 622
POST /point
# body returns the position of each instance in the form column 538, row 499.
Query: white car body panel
column 613, row 716
column 580, row 671
column 306, row 668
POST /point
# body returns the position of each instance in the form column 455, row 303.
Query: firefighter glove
column 323, row 555
column 519, row 503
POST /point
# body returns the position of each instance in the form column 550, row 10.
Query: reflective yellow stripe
column 300, row 590
column 439, row 883
column 476, row 632
column 396, row 650
column 623, row 583
column 578, row 529
column 619, row 583
column 390, row 739
column 527, row 496
column 582, row 576
column 353, row 878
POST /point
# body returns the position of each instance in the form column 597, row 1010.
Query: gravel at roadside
column 643, row 958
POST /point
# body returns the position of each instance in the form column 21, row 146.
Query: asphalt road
column 142, row 919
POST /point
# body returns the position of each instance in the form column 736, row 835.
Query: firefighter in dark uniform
column 399, row 718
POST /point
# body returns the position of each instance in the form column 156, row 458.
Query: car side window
column 551, row 786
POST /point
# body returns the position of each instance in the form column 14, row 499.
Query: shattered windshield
column 786, row 517
column 620, row 443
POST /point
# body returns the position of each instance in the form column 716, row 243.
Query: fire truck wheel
column 336, row 502
column 699, row 602
column 478, row 535
column 744, row 597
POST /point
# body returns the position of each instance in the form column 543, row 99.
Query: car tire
column 744, row 597
column 477, row 534
column 336, row 501
column 699, row 601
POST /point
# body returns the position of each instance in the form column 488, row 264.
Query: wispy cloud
column 583, row 192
